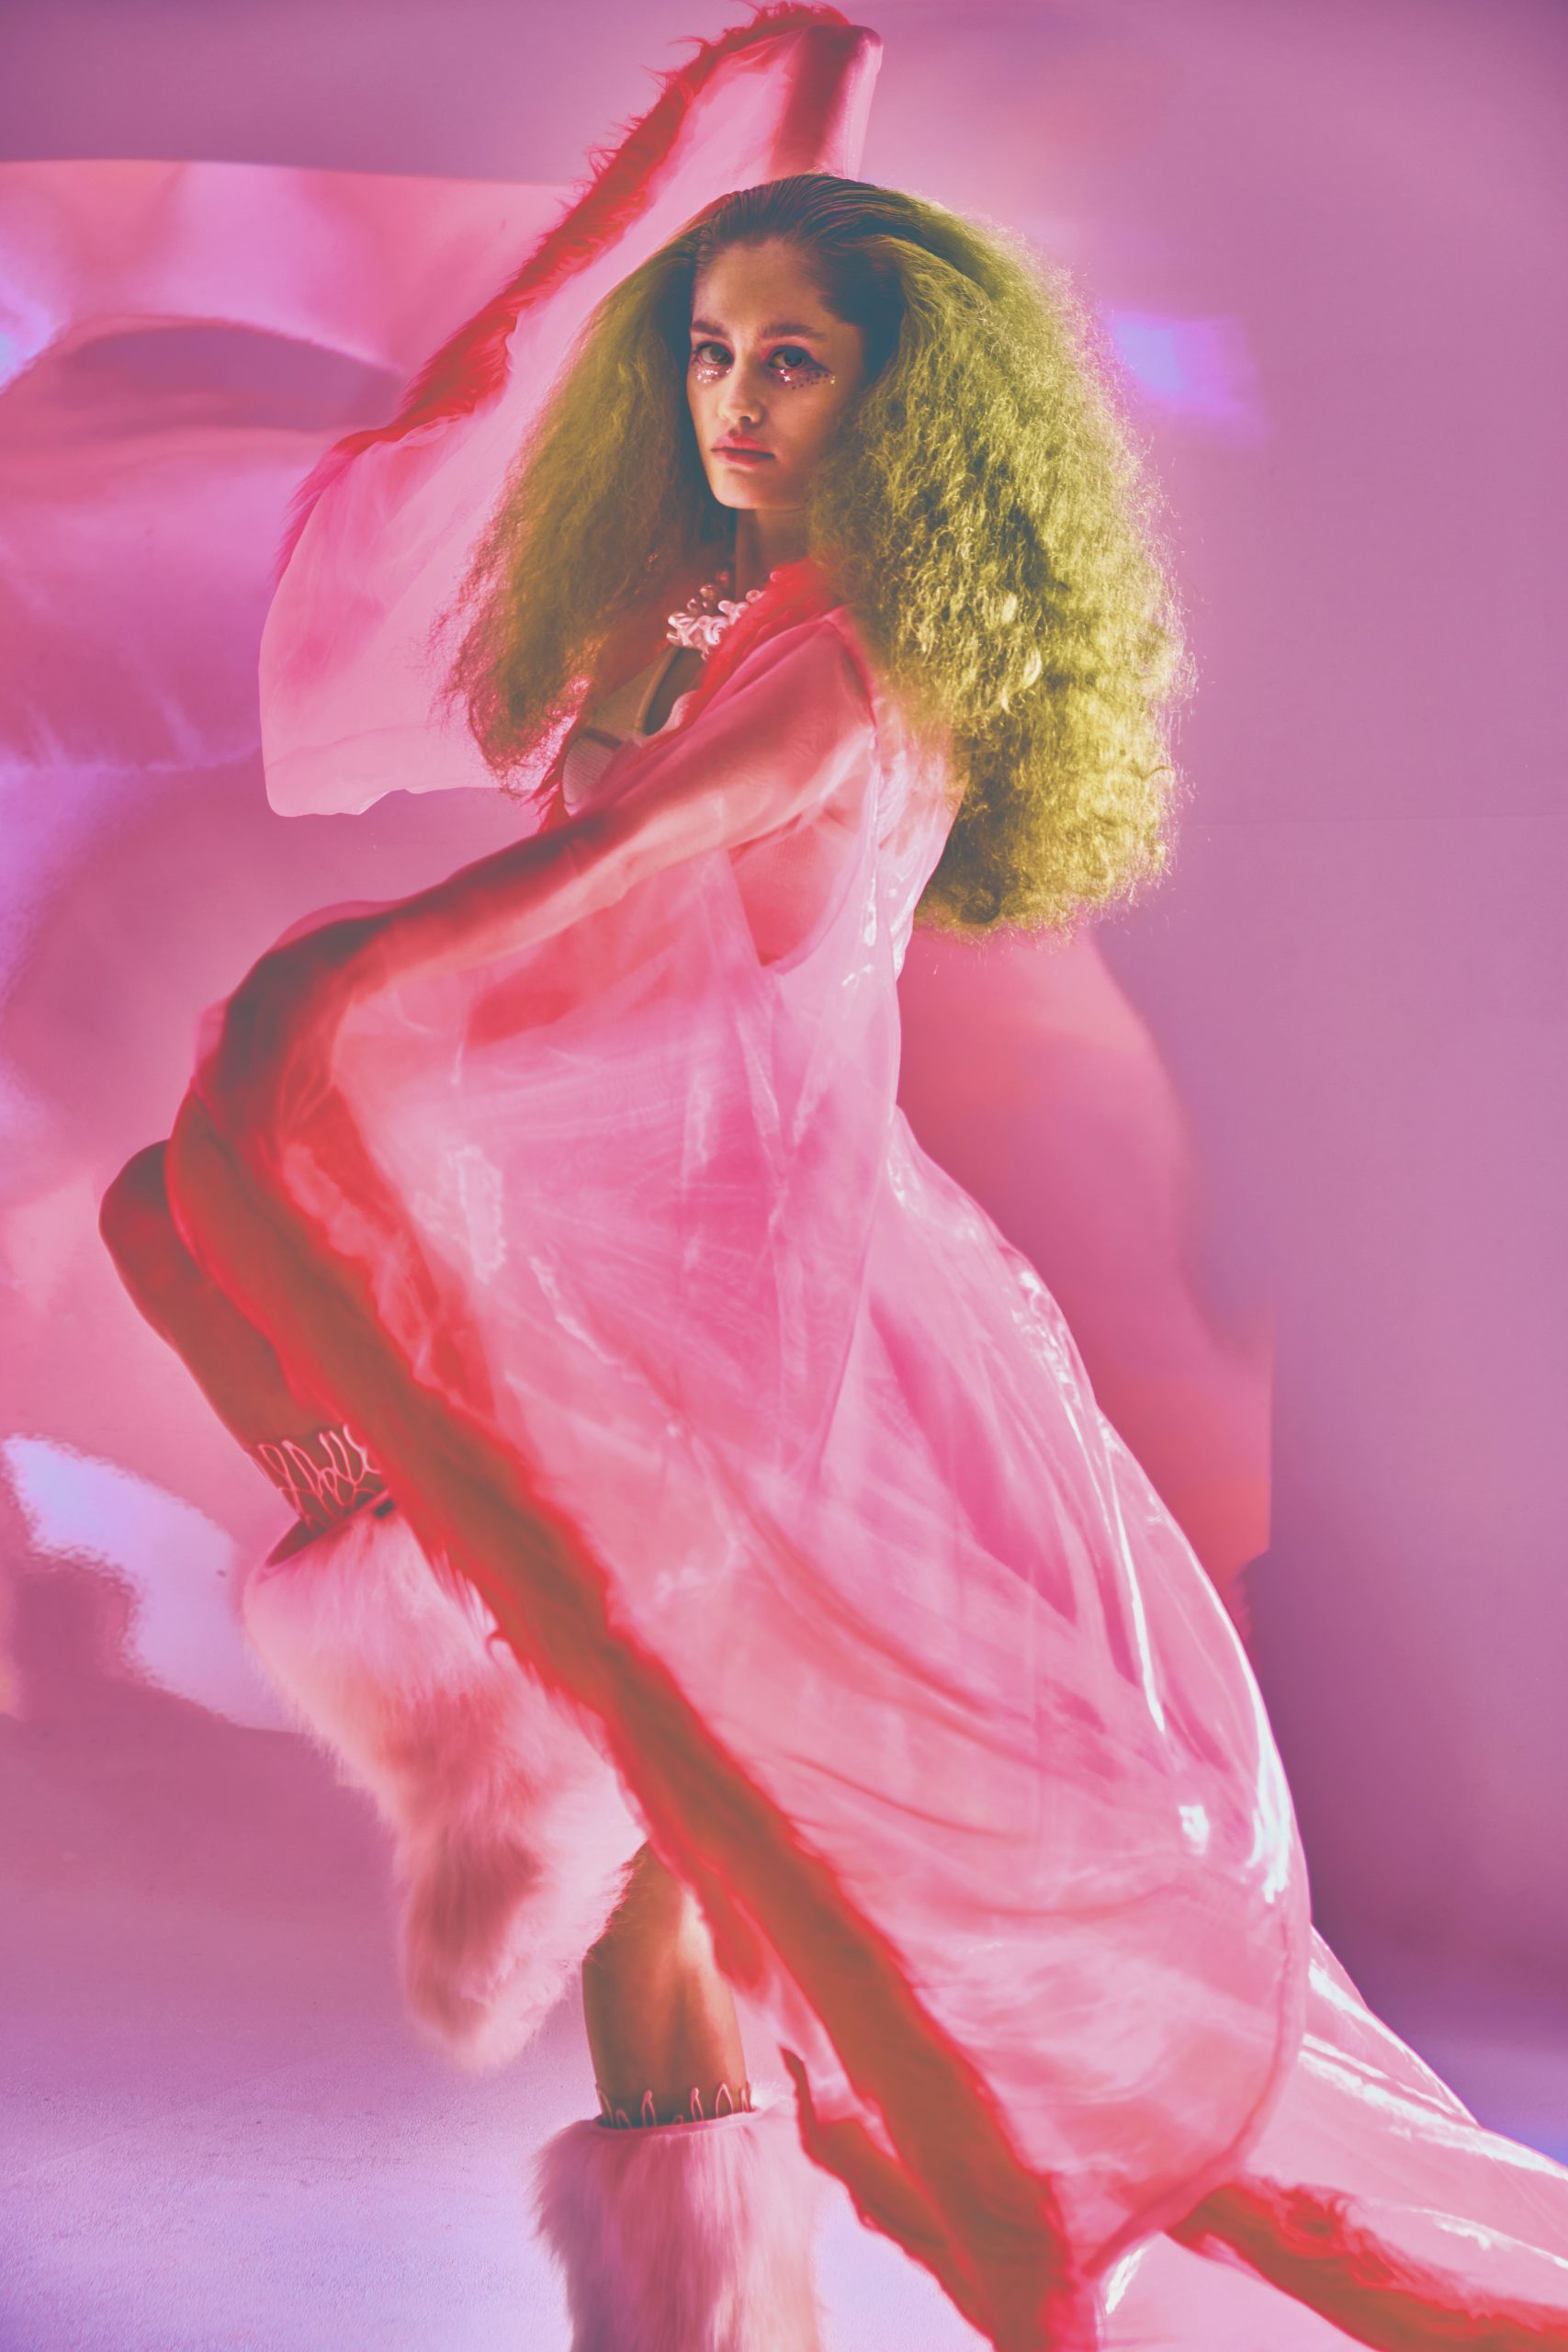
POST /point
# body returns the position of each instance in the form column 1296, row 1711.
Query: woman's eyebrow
column 779, row 327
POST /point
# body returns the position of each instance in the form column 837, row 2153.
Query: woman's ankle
column 649, row 2110
column 324, row 1477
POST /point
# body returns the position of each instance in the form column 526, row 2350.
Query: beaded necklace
column 703, row 618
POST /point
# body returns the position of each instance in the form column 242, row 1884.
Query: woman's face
column 770, row 367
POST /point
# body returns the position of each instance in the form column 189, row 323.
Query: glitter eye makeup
column 807, row 370
column 801, row 370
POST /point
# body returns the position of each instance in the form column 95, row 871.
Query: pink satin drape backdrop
column 184, row 341
column 1316, row 1084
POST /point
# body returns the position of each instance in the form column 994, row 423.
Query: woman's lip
column 738, row 450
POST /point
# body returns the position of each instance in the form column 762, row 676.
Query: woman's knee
column 134, row 1218
column 654, row 1913
column 655, row 1951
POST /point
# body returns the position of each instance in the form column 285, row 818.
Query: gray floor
column 220, row 2131
column 222, row 2134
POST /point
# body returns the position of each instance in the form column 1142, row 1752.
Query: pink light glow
column 1313, row 1090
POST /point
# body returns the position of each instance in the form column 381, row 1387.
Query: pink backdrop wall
column 1327, row 238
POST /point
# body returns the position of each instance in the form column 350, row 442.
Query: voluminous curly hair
column 981, row 511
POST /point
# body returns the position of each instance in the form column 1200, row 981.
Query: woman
column 552, row 1238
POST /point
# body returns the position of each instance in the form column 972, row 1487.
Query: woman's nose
column 741, row 404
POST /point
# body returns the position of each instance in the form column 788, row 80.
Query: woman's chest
column 641, row 704
column 637, row 707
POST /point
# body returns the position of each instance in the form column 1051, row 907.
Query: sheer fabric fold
column 357, row 641
column 591, row 1208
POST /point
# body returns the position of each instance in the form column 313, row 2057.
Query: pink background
column 1318, row 1081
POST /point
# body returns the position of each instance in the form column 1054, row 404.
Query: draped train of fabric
column 772, row 1461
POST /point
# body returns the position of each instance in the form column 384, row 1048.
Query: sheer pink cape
column 578, row 1186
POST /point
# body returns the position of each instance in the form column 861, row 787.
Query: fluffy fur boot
column 512, row 1837
column 685, row 2237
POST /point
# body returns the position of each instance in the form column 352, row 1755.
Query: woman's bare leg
column 695, row 2234
column 660, row 2017
column 231, row 1363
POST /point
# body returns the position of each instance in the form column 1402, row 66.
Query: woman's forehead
column 768, row 288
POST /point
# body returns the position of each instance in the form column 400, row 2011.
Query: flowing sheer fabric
column 578, row 1186
column 356, row 645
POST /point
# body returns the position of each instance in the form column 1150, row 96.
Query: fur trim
column 687, row 2237
column 512, row 1837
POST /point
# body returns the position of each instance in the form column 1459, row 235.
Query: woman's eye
column 796, row 366
column 791, row 363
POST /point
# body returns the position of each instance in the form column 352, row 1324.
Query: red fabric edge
column 1305, row 2242
column 957, row 2194
column 1300, row 2241
column 471, row 365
